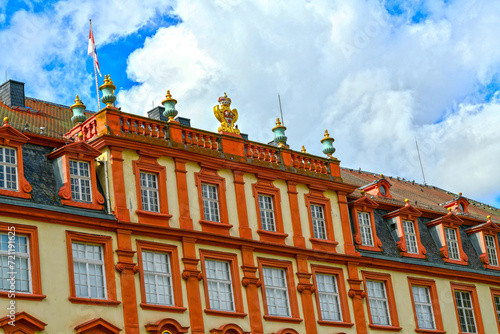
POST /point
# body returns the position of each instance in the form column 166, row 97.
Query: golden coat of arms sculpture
column 226, row 116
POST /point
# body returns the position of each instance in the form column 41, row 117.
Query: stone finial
column 488, row 217
column 279, row 134
column 459, row 194
column 303, row 150
column 449, row 209
column 108, row 91
column 169, row 104
column 327, row 142
column 77, row 109
column 407, row 200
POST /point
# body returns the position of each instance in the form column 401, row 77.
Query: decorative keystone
column 108, row 91
column 169, row 104
column 77, row 109
column 279, row 134
column 327, row 142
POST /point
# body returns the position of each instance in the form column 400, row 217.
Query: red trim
column 431, row 284
column 374, row 189
column 36, row 283
column 24, row 324
column 292, row 294
column 210, row 176
column 339, row 275
column 316, row 197
column 98, row 325
column 364, row 204
column 235, row 281
column 266, row 187
column 178, row 306
column 148, row 163
column 391, row 302
column 228, row 329
column 79, row 151
column 106, row 243
column 471, row 288
column 167, row 325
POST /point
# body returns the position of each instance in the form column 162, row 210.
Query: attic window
column 383, row 191
column 380, row 188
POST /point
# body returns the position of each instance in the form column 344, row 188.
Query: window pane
column 80, row 181
column 365, row 229
column 267, row 213
column 210, row 202
column 318, row 221
column 157, row 278
column 21, row 263
column 328, row 297
column 491, row 249
column 88, row 267
column 276, row 292
column 423, row 307
column 220, row 289
column 465, row 312
column 452, row 243
column 379, row 307
column 410, row 237
column 8, row 169
column 149, row 192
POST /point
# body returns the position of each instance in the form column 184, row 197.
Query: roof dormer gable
column 449, row 220
column 9, row 135
column 458, row 205
column 380, row 187
column 406, row 212
column 364, row 202
column 77, row 150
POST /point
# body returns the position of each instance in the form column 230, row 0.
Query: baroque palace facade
column 117, row 223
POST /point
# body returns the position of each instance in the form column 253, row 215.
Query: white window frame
column 6, row 257
column 4, row 166
column 149, row 192
column 465, row 311
column 491, row 249
column 266, row 210
column 450, row 235
column 378, row 303
column 216, row 283
column 156, row 275
column 210, row 197
column 318, row 222
column 365, row 229
column 422, row 305
column 329, row 301
column 275, row 292
column 410, row 236
column 78, row 196
column 88, row 262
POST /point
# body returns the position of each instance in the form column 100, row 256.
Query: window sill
column 282, row 319
column 23, row 296
column 153, row 218
column 226, row 313
column 370, row 248
column 335, row 323
column 459, row 262
column 430, row 331
column 215, row 227
column 415, row 256
column 385, row 328
column 83, row 205
column 165, row 308
column 488, row 266
column 324, row 245
column 273, row 237
column 92, row 301
column 15, row 193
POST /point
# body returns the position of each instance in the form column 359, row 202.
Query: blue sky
column 377, row 74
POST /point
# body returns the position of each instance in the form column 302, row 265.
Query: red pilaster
column 357, row 294
column 241, row 203
column 185, row 220
column 252, row 284
column 306, row 289
column 346, row 224
column 298, row 239
column 121, row 210
column 193, row 276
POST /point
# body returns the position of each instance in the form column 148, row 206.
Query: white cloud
column 375, row 81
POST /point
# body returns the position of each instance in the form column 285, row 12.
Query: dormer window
column 81, row 190
column 458, row 204
column 404, row 223
column 380, row 187
column 484, row 237
column 8, row 168
column 446, row 232
column 365, row 234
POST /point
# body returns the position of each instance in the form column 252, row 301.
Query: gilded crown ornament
column 108, row 91
column 327, row 142
column 78, row 108
column 226, row 116
column 169, row 104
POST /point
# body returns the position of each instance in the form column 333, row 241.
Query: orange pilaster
column 346, row 224
column 306, row 289
column 185, row 220
column 241, row 204
column 127, row 269
column 357, row 294
column 298, row 239
column 193, row 276
column 121, row 210
column 252, row 284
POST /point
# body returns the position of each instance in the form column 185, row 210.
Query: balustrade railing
column 201, row 139
column 142, row 127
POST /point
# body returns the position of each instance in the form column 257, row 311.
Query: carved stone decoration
column 121, row 266
column 186, row 274
column 246, row 281
column 356, row 294
column 301, row 287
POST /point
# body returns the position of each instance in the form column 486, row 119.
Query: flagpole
column 95, row 75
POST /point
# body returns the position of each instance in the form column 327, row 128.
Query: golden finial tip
column 6, row 120
column 225, row 94
column 303, row 150
column 362, row 192
column 459, row 194
column 327, row 134
column 449, row 209
column 407, row 200
column 381, row 176
column 489, row 217
column 80, row 135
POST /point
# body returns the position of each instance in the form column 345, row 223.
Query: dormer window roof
column 484, row 237
column 446, row 232
column 458, row 204
column 380, row 187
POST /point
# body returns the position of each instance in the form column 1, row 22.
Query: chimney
column 12, row 93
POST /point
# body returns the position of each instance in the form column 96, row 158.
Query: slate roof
column 421, row 196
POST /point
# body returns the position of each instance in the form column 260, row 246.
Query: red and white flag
column 92, row 51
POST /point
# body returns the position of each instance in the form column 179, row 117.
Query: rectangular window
column 465, row 312
column 20, row 256
column 423, row 307
column 497, row 307
column 329, row 297
column 149, row 192
column 220, row 288
column 452, row 243
column 8, row 168
column 210, row 202
column 88, row 266
column 267, row 213
column 318, row 221
column 365, row 229
column 157, row 278
column 410, row 236
column 491, row 249
column 276, row 291
column 379, row 308
column 80, row 181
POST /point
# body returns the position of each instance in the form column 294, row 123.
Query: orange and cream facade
column 116, row 223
